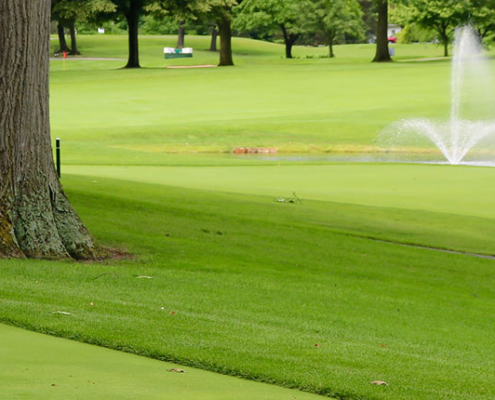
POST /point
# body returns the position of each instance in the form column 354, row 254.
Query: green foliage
column 333, row 18
column 442, row 16
column 270, row 15
column 79, row 10
column 152, row 25
column 413, row 33
column 483, row 18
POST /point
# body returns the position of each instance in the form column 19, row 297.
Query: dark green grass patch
column 245, row 286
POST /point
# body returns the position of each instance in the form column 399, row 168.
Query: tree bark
column 214, row 35
column 61, row 39
column 225, row 32
column 289, row 40
column 445, row 41
column 36, row 219
column 382, row 54
column 73, row 41
column 132, row 17
column 330, row 46
column 181, row 35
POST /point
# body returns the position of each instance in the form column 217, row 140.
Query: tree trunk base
column 44, row 228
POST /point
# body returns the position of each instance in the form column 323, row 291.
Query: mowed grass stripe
column 39, row 367
column 253, row 289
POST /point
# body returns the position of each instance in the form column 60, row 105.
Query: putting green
column 35, row 366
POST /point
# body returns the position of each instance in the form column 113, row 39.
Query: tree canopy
column 333, row 18
column 284, row 15
column 443, row 16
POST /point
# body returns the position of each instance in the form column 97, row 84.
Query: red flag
column 65, row 54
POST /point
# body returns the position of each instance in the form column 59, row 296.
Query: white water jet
column 469, row 122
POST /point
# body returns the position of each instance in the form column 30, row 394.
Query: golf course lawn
column 219, row 271
column 301, row 105
column 35, row 366
column 243, row 285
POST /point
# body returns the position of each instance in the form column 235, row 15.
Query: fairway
column 218, row 271
column 39, row 367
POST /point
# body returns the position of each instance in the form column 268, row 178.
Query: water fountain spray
column 468, row 124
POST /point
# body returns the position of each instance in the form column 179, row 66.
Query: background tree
column 131, row 10
column 68, row 13
column 270, row 15
column 334, row 18
column 382, row 53
column 443, row 16
column 36, row 219
column 222, row 12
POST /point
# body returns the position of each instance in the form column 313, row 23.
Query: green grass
column 249, row 286
column 78, row 371
column 255, row 284
column 300, row 105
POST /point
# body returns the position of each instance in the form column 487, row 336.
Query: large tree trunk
column 73, row 41
column 181, row 35
column 225, row 31
column 382, row 53
column 132, row 17
column 36, row 219
column 214, row 35
column 289, row 39
column 61, row 39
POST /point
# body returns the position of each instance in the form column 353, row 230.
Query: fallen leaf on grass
column 379, row 383
column 176, row 370
column 62, row 312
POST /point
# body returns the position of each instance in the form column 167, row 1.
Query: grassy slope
column 255, row 285
column 405, row 203
column 77, row 371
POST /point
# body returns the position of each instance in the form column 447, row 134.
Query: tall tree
column 131, row 10
column 334, row 18
column 443, row 16
column 36, row 218
column 222, row 12
column 284, row 15
column 382, row 53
